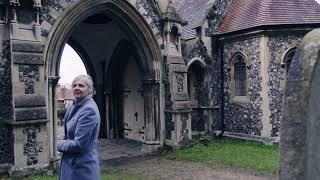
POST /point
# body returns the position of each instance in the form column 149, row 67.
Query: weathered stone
column 299, row 143
column 28, row 58
column 29, row 100
column 31, row 114
column 29, row 74
column 25, row 46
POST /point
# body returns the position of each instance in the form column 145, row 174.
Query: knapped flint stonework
column 5, row 82
column 215, row 84
column 278, row 47
column 239, row 117
column 199, row 50
column 29, row 74
column 198, row 120
column 216, row 14
column 151, row 12
column 32, row 148
column 47, row 5
column 6, row 145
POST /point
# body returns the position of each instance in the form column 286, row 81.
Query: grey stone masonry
column 299, row 143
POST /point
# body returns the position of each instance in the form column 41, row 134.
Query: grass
column 254, row 157
column 234, row 154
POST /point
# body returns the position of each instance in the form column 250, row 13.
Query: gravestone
column 300, row 126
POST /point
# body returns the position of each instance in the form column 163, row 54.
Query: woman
column 81, row 126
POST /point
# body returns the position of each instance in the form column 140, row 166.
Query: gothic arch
column 125, row 13
column 139, row 33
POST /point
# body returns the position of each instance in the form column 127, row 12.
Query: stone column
column 152, row 115
column 178, row 110
column 265, row 107
column 52, row 82
column 30, row 128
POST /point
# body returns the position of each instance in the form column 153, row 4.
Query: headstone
column 300, row 126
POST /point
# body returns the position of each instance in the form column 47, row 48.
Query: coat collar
column 81, row 101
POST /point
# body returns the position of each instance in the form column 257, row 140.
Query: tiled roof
column 243, row 14
column 193, row 11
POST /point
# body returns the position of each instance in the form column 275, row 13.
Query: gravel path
column 153, row 167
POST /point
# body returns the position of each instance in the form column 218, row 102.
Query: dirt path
column 159, row 168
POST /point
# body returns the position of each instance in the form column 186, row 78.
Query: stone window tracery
column 287, row 59
column 240, row 76
column 239, row 82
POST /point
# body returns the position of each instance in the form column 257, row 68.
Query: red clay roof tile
column 243, row 14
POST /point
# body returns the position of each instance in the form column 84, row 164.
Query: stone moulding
column 27, row 46
column 31, row 114
column 29, row 100
column 28, row 58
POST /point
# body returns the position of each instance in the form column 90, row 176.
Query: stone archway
column 197, row 85
column 136, row 31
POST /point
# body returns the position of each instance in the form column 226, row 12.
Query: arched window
column 288, row 58
column 240, row 75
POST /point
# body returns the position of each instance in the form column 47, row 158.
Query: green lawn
column 234, row 154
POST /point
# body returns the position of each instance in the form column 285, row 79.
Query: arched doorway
column 125, row 94
column 98, row 27
column 197, row 90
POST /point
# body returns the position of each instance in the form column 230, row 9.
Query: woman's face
column 80, row 89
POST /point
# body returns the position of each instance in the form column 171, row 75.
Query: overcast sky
column 71, row 66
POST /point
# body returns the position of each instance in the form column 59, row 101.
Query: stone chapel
column 164, row 71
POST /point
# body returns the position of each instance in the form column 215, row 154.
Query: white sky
column 71, row 65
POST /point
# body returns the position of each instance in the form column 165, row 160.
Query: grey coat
column 79, row 147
